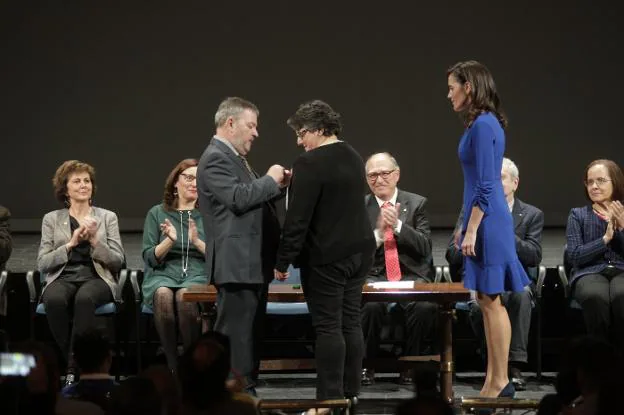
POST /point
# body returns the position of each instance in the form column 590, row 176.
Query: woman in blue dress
column 487, row 236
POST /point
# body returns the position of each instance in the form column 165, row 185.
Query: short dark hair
column 204, row 368
column 316, row 116
column 69, row 167
column 91, row 349
column 170, row 198
column 484, row 96
column 135, row 396
column 615, row 174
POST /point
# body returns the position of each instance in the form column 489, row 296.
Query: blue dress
column 496, row 267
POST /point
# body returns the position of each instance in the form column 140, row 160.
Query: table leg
column 207, row 316
column 446, row 351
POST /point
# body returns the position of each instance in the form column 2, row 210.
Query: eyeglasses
column 302, row 133
column 601, row 181
column 189, row 178
column 383, row 174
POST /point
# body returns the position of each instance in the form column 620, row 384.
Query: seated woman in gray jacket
column 80, row 255
column 173, row 252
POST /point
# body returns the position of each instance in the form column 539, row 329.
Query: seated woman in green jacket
column 173, row 252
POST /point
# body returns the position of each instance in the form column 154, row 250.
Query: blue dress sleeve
column 482, row 141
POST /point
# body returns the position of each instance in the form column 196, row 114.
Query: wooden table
column 444, row 294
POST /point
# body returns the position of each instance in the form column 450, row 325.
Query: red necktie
column 393, row 269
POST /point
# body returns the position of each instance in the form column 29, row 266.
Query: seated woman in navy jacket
column 595, row 249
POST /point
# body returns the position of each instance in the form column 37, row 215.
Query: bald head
column 382, row 174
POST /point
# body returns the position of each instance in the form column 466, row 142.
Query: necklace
column 185, row 260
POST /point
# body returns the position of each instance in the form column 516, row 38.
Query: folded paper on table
column 392, row 284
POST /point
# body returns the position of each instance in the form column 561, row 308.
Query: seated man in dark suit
column 6, row 244
column 403, row 252
column 528, row 224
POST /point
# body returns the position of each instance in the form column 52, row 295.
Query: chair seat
column 145, row 309
column 289, row 309
column 104, row 309
column 462, row 306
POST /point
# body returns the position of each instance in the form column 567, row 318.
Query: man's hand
column 390, row 215
column 277, row 173
column 280, row 276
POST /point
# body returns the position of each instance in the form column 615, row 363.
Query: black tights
column 165, row 320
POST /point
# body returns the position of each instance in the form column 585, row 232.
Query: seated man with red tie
column 403, row 253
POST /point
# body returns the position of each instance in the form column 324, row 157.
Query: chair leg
column 538, row 309
column 33, row 315
column 117, row 348
column 138, row 337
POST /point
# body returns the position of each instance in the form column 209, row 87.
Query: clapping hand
column 390, row 215
column 616, row 211
column 169, row 230
column 90, row 225
column 79, row 235
column 193, row 234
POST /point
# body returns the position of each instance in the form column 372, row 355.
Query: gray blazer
column 240, row 223
column 107, row 255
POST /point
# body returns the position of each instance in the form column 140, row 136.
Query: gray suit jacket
column 107, row 255
column 528, row 226
column 241, row 226
column 413, row 242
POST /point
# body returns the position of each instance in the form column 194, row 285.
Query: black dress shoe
column 405, row 377
column 516, row 378
column 368, row 377
column 70, row 379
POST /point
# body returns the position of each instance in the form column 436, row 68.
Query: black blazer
column 413, row 242
column 528, row 226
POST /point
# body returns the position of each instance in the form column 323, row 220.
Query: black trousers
column 334, row 296
column 602, row 300
column 518, row 305
column 64, row 300
column 419, row 319
column 241, row 310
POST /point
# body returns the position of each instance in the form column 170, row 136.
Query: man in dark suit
column 6, row 244
column 399, row 221
column 528, row 225
column 242, row 230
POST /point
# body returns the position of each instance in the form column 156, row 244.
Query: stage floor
column 386, row 393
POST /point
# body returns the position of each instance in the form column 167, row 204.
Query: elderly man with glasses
column 403, row 253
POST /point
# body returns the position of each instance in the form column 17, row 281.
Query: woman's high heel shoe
column 509, row 391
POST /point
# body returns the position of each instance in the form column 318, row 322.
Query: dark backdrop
column 132, row 89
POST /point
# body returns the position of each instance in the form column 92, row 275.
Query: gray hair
column 511, row 168
column 233, row 107
column 390, row 157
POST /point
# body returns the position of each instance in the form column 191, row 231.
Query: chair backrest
column 294, row 277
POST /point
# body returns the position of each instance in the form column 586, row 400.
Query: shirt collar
column 392, row 199
column 511, row 204
column 227, row 143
